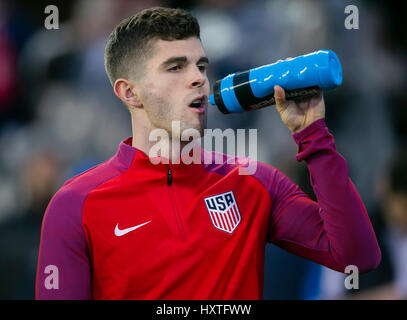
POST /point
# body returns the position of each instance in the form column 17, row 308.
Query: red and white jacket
column 129, row 229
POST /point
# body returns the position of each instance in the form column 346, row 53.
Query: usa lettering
column 219, row 202
column 225, row 309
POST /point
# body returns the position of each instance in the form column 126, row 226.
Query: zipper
column 174, row 206
column 169, row 177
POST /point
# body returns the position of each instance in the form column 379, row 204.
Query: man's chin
column 194, row 131
column 183, row 130
column 193, row 128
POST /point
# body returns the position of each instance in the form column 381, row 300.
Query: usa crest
column 223, row 211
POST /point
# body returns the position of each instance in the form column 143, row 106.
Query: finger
column 307, row 97
column 279, row 95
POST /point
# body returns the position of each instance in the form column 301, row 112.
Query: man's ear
column 126, row 91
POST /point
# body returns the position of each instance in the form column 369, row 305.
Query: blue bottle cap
column 330, row 70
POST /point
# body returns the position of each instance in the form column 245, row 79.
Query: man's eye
column 202, row 68
column 174, row 68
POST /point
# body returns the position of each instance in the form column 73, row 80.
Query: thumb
column 279, row 96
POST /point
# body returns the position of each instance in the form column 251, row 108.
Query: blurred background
column 59, row 117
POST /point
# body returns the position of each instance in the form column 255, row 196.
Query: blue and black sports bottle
column 254, row 89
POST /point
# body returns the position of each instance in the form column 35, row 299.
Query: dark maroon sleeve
column 63, row 270
column 64, row 263
column 336, row 231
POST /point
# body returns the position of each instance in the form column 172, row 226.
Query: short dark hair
column 129, row 43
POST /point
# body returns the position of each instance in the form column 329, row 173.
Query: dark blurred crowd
column 59, row 117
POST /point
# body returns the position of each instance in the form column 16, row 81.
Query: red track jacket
column 129, row 229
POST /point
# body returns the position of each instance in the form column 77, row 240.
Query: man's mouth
column 198, row 104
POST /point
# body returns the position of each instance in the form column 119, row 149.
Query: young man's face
column 174, row 77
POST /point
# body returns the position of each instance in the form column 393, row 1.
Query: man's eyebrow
column 203, row 59
column 182, row 59
column 174, row 60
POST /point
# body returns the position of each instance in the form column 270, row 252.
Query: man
column 131, row 229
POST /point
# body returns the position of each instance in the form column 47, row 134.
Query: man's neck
column 170, row 148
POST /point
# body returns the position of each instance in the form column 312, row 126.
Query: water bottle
column 300, row 77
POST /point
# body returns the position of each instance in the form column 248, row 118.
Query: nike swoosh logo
column 120, row 233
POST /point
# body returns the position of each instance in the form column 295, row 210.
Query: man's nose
column 198, row 78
